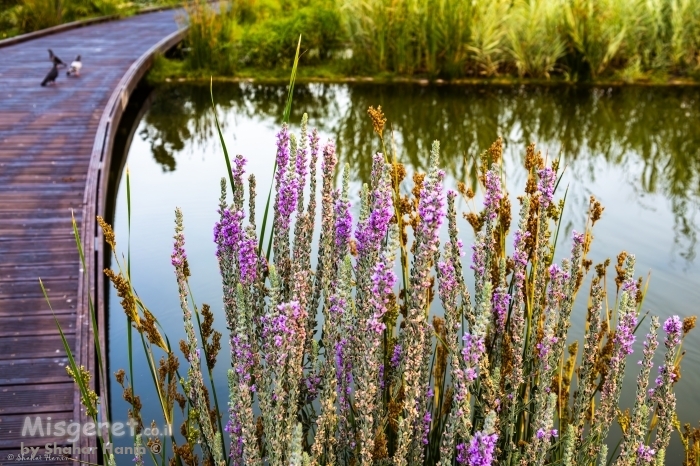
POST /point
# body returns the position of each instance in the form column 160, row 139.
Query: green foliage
column 31, row 15
column 263, row 34
column 536, row 43
column 23, row 16
column 573, row 40
column 211, row 38
column 272, row 42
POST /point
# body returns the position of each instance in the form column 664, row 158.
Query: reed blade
column 285, row 119
column 221, row 136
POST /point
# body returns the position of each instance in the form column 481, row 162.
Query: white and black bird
column 54, row 59
column 75, row 67
column 51, row 77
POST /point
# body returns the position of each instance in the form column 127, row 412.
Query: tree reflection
column 652, row 130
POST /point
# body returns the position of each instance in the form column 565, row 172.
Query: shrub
column 31, row 15
column 270, row 43
column 210, row 39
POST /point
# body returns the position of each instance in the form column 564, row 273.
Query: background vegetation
column 23, row 16
column 573, row 40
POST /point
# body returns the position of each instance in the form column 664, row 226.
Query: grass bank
column 617, row 41
column 24, row 16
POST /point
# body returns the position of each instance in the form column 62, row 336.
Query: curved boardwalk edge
column 95, row 203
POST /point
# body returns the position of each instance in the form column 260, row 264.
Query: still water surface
column 636, row 149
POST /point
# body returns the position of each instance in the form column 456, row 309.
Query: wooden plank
column 26, row 325
column 26, row 399
column 37, row 346
column 11, row 427
column 37, row 371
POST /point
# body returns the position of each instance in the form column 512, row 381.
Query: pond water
column 636, row 149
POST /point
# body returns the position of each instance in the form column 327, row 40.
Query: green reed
column 211, row 37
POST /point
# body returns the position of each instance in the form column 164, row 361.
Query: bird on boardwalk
column 51, row 77
column 75, row 67
column 54, row 59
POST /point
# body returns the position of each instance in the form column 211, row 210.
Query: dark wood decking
column 55, row 143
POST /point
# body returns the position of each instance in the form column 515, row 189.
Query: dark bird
column 75, row 67
column 51, row 77
column 54, row 59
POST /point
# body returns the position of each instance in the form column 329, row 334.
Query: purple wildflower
column 312, row 382
column 372, row 231
column 343, row 225
column 238, row 171
column 248, row 258
column 500, row 302
column 625, row 333
column 473, row 349
column 282, row 329
column 478, row 258
column 286, row 201
column 462, row 454
column 302, row 169
column 282, row 154
column 179, row 256
column 396, row 356
column 493, row 194
column 645, row 454
column 545, row 185
column 383, row 280
column 427, row 420
column 481, row 449
column 430, row 208
column 673, row 327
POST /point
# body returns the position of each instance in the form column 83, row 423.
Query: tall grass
column 567, row 39
column 262, row 34
column 211, row 37
column 30, row 15
column 535, row 38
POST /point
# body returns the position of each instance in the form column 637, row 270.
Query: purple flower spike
column 481, row 449
column 396, row 357
column 545, row 186
column 673, row 327
column 645, row 454
column 282, row 154
column 493, row 194
column 500, row 301
column 343, row 225
column 238, row 170
column 372, row 231
column 383, row 280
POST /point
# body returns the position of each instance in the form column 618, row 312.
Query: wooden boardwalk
column 55, row 145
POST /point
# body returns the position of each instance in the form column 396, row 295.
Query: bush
column 270, row 43
column 32, row 15
column 211, row 38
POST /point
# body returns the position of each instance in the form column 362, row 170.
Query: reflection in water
column 653, row 131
